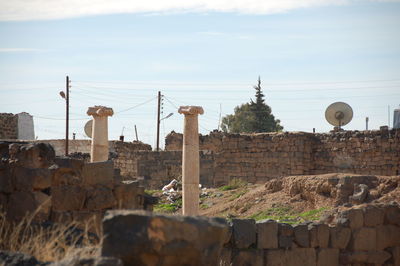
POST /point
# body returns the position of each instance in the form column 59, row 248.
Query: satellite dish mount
column 339, row 114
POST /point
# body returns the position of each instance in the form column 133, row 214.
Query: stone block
column 328, row 257
column 285, row 229
column 28, row 179
column 100, row 198
column 387, row 236
column 267, row 234
column 244, row 232
column 229, row 235
column 319, row 235
column 5, row 180
column 23, row 203
column 92, row 220
column 355, row 216
column 37, row 155
column 301, row 235
column 129, row 195
column 293, row 257
column 364, row 257
column 98, row 173
column 3, row 202
column 373, row 216
column 363, row 239
column 339, row 237
column 143, row 238
column 68, row 198
column 43, row 201
column 63, row 217
column 251, row 257
column 225, row 257
column 395, row 255
column 285, row 242
column 392, row 214
column 75, row 165
column 63, row 176
column 89, row 261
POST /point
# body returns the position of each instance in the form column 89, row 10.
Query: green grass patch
column 234, row 184
column 151, row 192
column 204, row 206
column 286, row 214
column 168, row 207
column 238, row 194
column 313, row 215
column 165, row 208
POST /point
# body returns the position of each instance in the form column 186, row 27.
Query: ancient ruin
column 354, row 173
column 190, row 159
column 99, row 149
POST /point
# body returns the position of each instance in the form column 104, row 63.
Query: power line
column 171, row 102
column 54, row 118
column 140, row 104
column 236, row 83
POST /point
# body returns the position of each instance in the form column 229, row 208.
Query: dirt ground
column 290, row 196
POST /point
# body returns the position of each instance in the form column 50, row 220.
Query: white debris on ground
column 173, row 193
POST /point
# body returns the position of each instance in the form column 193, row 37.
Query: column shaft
column 99, row 148
column 190, row 165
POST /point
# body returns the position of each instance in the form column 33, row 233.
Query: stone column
column 99, row 148
column 190, row 159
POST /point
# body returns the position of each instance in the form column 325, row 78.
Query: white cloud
column 17, row 50
column 14, row 10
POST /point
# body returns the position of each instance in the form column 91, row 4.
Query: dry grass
column 50, row 242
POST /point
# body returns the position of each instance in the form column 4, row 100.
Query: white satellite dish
column 88, row 128
column 339, row 114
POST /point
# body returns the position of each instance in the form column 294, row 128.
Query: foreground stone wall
column 59, row 189
column 366, row 235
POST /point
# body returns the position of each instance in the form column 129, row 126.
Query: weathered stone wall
column 65, row 189
column 366, row 235
column 156, row 169
column 19, row 126
column 259, row 157
column 256, row 158
column 8, row 126
column 83, row 146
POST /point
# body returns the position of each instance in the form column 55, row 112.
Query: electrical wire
column 236, row 83
column 140, row 104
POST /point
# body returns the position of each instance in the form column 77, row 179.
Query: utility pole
column 67, row 116
column 158, row 121
column 219, row 120
column 137, row 139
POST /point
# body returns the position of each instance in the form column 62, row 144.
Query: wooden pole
column 158, row 121
column 67, row 116
column 137, row 139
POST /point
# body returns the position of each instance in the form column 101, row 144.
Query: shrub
column 234, row 184
column 47, row 242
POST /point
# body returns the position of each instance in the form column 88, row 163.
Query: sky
column 308, row 53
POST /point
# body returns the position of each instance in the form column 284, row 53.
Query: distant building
column 396, row 118
column 19, row 126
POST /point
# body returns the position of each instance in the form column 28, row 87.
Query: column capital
column 99, row 110
column 191, row 110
